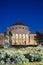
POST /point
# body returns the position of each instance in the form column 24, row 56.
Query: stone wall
column 1, row 39
column 32, row 39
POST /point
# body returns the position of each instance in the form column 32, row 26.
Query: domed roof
column 18, row 23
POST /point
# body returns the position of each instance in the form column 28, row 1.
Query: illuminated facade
column 20, row 35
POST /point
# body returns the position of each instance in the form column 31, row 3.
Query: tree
column 39, row 38
column 10, row 34
column 7, row 38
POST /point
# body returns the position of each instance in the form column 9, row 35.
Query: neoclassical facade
column 20, row 35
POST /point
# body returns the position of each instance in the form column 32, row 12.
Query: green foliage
column 7, row 39
column 21, row 56
column 33, row 57
column 16, row 58
column 39, row 38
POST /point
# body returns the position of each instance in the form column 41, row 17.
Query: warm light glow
column 27, row 39
column 27, row 36
column 24, row 38
column 20, row 35
column 16, row 38
column 23, row 35
column 13, row 39
column 20, row 38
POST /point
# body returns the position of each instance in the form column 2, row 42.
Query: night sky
column 30, row 12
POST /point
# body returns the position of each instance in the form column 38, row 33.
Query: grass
column 36, row 63
column 30, row 63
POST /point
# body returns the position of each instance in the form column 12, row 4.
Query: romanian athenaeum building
column 20, row 35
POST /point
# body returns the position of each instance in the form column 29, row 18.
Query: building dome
column 19, row 27
column 19, row 23
column 20, row 33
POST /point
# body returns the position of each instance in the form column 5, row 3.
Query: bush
column 19, row 58
column 41, row 57
column 12, row 58
column 33, row 57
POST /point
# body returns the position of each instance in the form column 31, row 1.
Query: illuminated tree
column 7, row 40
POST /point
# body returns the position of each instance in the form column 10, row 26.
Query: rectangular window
column 16, row 38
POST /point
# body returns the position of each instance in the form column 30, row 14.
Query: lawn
column 30, row 63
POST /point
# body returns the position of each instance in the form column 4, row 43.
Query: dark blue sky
column 30, row 12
